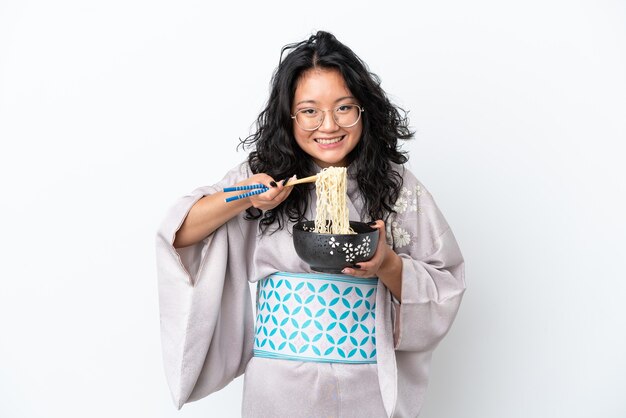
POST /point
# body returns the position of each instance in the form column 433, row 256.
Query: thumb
column 380, row 225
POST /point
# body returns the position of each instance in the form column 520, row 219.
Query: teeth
column 329, row 141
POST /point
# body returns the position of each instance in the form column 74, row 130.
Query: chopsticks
column 302, row 180
column 261, row 188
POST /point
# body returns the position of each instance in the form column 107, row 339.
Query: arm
column 206, row 318
column 211, row 212
column 420, row 263
column 432, row 289
column 433, row 270
column 205, row 216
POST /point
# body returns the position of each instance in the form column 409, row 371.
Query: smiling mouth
column 328, row 141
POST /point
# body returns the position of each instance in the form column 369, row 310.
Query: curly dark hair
column 277, row 153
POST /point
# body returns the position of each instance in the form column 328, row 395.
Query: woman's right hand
column 275, row 194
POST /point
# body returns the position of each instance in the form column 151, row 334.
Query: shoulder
column 237, row 173
column 242, row 169
column 416, row 215
column 410, row 183
column 414, row 199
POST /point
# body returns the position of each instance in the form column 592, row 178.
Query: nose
column 328, row 123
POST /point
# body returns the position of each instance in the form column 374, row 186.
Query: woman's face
column 330, row 144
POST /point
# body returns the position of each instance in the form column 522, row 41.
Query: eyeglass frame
column 361, row 111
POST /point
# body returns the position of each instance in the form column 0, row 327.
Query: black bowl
column 330, row 253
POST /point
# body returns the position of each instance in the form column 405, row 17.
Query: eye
column 345, row 108
column 309, row 111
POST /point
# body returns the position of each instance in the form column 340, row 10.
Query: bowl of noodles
column 330, row 253
column 332, row 242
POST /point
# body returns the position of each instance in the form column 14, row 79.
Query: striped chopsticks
column 261, row 188
column 255, row 189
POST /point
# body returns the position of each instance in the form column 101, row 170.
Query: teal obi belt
column 316, row 317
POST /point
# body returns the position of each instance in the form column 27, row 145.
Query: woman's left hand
column 385, row 264
column 382, row 255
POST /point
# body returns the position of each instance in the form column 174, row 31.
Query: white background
column 111, row 110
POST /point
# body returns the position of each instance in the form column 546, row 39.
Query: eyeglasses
column 311, row 118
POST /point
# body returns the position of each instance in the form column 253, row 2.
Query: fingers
column 284, row 190
column 370, row 267
column 275, row 194
column 380, row 225
column 382, row 235
column 363, row 269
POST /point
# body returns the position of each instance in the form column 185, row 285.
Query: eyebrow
column 314, row 102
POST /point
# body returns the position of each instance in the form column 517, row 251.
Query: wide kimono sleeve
column 204, row 301
column 433, row 274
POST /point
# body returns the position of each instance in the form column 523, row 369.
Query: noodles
column 332, row 208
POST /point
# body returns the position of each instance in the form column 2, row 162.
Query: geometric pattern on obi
column 316, row 317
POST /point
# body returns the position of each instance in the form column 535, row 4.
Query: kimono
column 207, row 315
